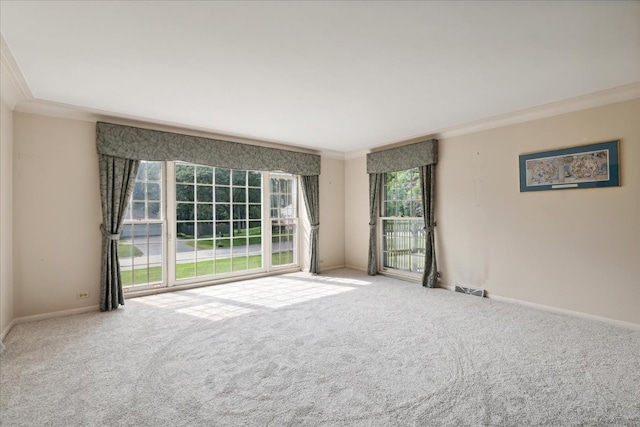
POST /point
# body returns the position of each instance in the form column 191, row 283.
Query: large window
column 402, row 222
column 223, row 222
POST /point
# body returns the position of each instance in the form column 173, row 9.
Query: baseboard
column 557, row 310
column 7, row 330
column 353, row 267
column 52, row 315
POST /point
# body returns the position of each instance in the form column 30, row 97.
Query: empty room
column 319, row 213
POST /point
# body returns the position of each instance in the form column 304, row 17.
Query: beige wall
column 356, row 213
column 577, row 250
column 57, row 205
column 332, row 236
column 331, row 219
column 6, row 217
column 57, row 214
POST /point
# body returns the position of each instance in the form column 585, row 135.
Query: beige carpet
column 342, row 349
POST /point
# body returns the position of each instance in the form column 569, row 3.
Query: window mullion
column 171, row 224
column 267, row 222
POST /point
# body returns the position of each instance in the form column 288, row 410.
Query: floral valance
column 402, row 158
column 145, row 144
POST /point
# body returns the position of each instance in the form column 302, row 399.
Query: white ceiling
column 341, row 76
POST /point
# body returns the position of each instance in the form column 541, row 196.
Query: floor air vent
column 471, row 291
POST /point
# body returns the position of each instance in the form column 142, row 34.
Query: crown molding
column 584, row 102
column 356, row 154
column 14, row 88
column 332, row 154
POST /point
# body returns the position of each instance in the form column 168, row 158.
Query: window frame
column 296, row 220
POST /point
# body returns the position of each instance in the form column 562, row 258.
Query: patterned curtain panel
column 428, row 186
column 117, row 176
column 144, row 144
column 375, row 189
column 311, row 193
column 403, row 158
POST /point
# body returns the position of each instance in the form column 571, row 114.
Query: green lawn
column 238, row 240
column 127, row 251
column 203, row 268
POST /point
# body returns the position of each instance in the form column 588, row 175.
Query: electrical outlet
column 82, row 295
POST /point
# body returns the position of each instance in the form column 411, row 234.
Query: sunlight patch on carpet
column 215, row 311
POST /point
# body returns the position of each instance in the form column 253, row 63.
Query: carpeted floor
column 342, row 349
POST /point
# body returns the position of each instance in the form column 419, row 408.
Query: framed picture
column 585, row 166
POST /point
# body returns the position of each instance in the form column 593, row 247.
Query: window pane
column 205, row 193
column 402, row 194
column 126, row 233
column 138, row 210
column 204, row 175
column 239, row 195
column 154, row 171
column 186, row 250
column 223, row 212
column 239, row 177
column 185, row 230
column 239, row 244
column 204, row 248
column 184, row 173
column 223, row 228
column 239, row 211
column 255, row 211
column 185, row 270
column 283, row 242
column 222, row 194
column 184, row 193
column 138, row 191
column 153, row 210
column 255, row 195
column 255, row 179
column 205, row 211
column 222, row 176
column 205, row 229
column 153, row 191
column 142, row 172
column 184, row 211
column 155, row 230
column 205, row 268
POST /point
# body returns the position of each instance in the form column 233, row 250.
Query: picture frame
column 584, row 166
